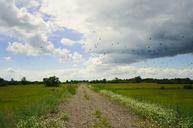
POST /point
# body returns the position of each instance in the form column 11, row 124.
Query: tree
column 116, row 80
column 104, row 81
column 23, row 81
column 137, row 79
column 12, row 79
column 51, row 81
column 2, row 82
column 12, row 82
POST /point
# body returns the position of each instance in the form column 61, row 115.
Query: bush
column 51, row 81
column 24, row 81
column 188, row 87
column 162, row 87
column 2, row 82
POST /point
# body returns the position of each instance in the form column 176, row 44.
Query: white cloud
column 97, row 72
column 26, row 49
column 7, row 58
column 64, row 55
column 32, row 30
column 94, row 61
column 68, row 42
column 33, row 3
column 21, row 24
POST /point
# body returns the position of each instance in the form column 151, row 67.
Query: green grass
column 129, row 86
column 173, row 96
column 181, row 98
column 22, row 102
column 101, row 120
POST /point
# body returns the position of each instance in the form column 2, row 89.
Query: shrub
column 23, row 81
column 51, row 81
column 188, row 87
column 2, row 82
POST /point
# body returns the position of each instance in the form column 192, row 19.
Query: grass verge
column 160, row 116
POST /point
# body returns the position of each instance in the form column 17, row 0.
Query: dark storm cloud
column 145, row 29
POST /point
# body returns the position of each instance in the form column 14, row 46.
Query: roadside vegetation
column 29, row 102
column 165, row 106
column 58, row 121
column 101, row 121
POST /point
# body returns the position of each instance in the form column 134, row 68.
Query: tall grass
column 160, row 116
column 22, row 103
column 71, row 88
column 47, row 104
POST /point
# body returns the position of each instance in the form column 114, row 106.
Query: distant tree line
column 54, row 81
column 48, row 82
column 23, row 81
column 138, row 79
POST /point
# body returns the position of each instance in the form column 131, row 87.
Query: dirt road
column 88, row 109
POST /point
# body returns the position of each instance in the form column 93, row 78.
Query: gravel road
column 88, row 109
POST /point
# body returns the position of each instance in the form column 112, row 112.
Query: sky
column 92, row 39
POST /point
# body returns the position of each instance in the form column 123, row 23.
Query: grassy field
column 171, row 97
column 165, row 105
column 21, row 102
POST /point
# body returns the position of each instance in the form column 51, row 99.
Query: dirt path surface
column 88, row 109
